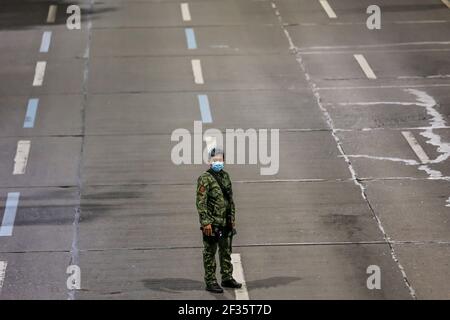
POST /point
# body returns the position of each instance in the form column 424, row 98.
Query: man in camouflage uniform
column 216, row 212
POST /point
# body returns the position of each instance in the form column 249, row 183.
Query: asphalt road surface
column 86, row 118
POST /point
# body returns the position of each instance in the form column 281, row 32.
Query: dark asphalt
column 100, row 189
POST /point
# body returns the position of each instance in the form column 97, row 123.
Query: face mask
column 217, row 166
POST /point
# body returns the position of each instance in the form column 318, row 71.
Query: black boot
column 214, row 287
column 231, row 284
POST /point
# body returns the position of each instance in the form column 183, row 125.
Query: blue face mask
column 217, row 166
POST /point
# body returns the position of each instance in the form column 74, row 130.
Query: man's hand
column 207, row 230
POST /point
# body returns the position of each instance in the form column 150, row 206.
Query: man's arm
column 233, row 208
column 202, row 201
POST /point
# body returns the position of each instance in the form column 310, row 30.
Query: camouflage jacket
column 211, row 204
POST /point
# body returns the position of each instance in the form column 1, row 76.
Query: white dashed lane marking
column 197, row 70
column 416, row 146
column 3, row 265
column 238, row 275
column 190, row 38
column 205, row 109
column 39, row 73
column 185, row 12
column 31, row 113
column 51, row 17
column 365, row 66
column 326, row 6
column 21, row 158
column 12, row 202
column 46, row 40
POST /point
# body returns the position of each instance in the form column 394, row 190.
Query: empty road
column 87, row 116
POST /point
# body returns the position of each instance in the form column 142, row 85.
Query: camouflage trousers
column 209, row 259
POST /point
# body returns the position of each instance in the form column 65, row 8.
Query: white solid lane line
column 51, row 17
column 238, row 275
column 39, row 73
column 3, row 265
column 186, row 14
column 197, row 70
column 365, row 66
column 21, row 158
column 326, row 6
column 12, row 202
column 416, row 146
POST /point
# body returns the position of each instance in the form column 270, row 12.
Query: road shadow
column 180, row 285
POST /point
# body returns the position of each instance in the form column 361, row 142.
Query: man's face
column 218, row 157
